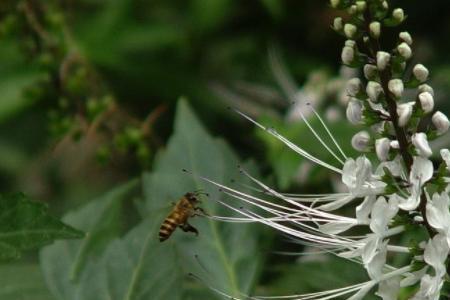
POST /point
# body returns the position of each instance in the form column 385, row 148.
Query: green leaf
column 14, row 287
column 65, row 261
column 26, row 224
column 229, row 255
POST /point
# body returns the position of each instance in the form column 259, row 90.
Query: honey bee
column 184, row 209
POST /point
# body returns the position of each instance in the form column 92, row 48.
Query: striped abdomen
column 170, row 224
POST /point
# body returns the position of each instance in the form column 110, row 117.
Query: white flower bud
column 404, row 112
column 383, row 59
column 378, row 127
column 350, row 43
column 348, row 55
column 338, row 25
column 353, row 9
column 385, row 5
column 440, row 121
column 354, row 111
column 420, row 141
column 426, row 101
column 374, row 90
column 396, row 87
column 425, row 88
column 406, row 37
column 335, row 3
column 361, row 141
column 395, row 145
column 404, row 50
column 420, row 72
column 370, row 71
column 350, row 30
column 398, row 15
column 361, row 6
column 354, row 86
column 375, row 29
column 382, row 147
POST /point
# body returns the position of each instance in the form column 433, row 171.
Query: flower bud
column 350, row 30
column 361, row 141
column 420, row 72
column 354, row 86
column 404, row 112
column 396, row 87
column 406, row 37
column 404, row 50
column 353, row 9
column 382, row 147
column 440, row 121
column 395, row 145
column 420, row 141
column 374, row 90
column 361, row 6
column 385, row 5
column 383, row 59
column 335, row 3
column 350, row 43
column 398, row 15
column 338, row 25
column 348, row 55
column 425, row 88
column 426, row 102
column 354, row 111
column 370, row 71
column 375, row 29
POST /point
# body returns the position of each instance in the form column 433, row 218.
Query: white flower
column 348, row 55
column 438, row 214
column 370, row 71
column 364, row 209
column 354, row 86
column 382, row 147
column 440, row 121
column 361, row 141
column 354, row 111
column 396, row 87
column 421, row 172
column 420, row 141
column 383, row 59
column 375, row 29
column 436, row 253
column 374, row 90
column 421, row 72
column 404, row 112
column 406, row 37
column 389, row 289
column 404, row 50
column 382, row 214
column 426, row 101
column 430, row 288
column 361, row 6
column 350, row 30
column 357, row 176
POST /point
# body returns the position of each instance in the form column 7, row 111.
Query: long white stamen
column 328, row 131
column 291, row 145
column 302, row 116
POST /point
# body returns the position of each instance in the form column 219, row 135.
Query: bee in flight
column 185, row 208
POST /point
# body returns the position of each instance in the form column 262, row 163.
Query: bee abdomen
column 166, row 229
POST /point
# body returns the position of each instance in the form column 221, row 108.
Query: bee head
column 192, row 197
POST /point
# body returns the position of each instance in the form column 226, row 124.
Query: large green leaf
column 64, row 263
column 20, row 281
column 229, row 255
column 26, row 224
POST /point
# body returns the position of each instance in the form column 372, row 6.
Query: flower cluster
column 402, row 192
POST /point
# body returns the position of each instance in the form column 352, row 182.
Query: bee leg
column 186, row 227
column 201, row 210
